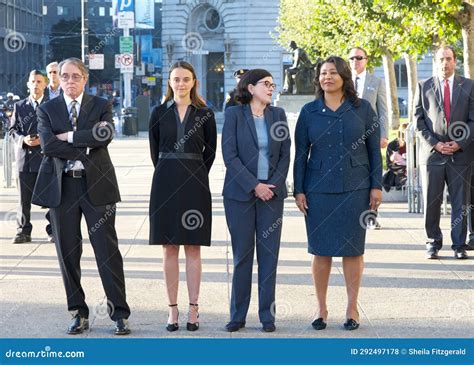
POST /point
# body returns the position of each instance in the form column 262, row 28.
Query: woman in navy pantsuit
column 339, row 186
column 256, row 150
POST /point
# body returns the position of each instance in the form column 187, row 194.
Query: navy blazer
column 343, row 149
column 431, row 123
column 24, row 123
column 240, row 152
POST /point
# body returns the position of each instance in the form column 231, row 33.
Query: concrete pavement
column 402, row 295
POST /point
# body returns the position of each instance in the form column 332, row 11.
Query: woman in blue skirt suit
column 337, row 177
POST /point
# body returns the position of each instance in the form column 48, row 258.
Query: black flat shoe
column 351, row 324
column 268, row 327
column 121, row 327
column 78, row 325
column 171, row 327
column 234, row 326
column 319, row 324
column 460, row 254
column 193, row 326
column 21, row 238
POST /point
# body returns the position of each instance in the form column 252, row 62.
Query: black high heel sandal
column 171, row 327
column 193, row 326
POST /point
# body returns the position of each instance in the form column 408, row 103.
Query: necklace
column 257, row 116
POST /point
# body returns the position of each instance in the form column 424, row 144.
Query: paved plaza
column 402, row 295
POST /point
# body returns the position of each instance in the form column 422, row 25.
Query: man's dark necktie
column 447, row 102
column 73, row 119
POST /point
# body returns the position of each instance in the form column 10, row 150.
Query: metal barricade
column 415, row 196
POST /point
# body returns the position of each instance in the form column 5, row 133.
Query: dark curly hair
column 243, row 95
column 343, row 69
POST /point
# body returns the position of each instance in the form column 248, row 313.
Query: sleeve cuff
column 70, row 137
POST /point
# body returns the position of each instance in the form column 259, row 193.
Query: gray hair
column 76, row 62
column 52, row 64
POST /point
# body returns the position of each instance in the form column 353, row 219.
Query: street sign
column 117, row 60
column 126, row 44
column 126, row 14
column 126, row 63
column 96, row 61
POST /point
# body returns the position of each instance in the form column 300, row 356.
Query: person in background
column 54, row 88
column 28, row 154
column 230, row 99
column 396, row 158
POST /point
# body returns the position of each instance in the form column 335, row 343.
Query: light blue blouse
column 262, row 136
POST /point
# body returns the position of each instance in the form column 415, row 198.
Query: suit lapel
column 62, row 112
column 251, row 123
column 86, row 106
column 367, row 84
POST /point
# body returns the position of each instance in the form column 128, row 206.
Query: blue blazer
column 343, row 149
column 240, row 152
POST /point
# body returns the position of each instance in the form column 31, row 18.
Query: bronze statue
column 299, row 77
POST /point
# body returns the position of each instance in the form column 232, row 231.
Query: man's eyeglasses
column 268, row 84
column 74, row 77
column 358, row 58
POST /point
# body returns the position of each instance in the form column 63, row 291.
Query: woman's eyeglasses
column 268, row 84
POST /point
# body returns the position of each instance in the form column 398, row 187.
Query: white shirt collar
column 450, row 79
column 361, row 75
column 32, row 101
column 68, row 100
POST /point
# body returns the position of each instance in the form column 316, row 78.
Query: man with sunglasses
column 77, row 178
column 370, row 88
column 53, row 89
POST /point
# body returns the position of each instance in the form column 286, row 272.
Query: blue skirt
column 335, row 223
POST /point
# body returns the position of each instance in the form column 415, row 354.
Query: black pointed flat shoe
column 319, row 324
column 351, row 324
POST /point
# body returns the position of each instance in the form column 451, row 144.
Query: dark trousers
column 254, row 224
column 26, row 183
column 471, row 210
column 66, row 220
column 434, row 178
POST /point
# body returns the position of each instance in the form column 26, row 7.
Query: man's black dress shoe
column 351, row 324
column 234, row 326
column 432, row 253
column 268, row 327
column 78, row 325
column 21, row 238
column 319, row 324
column 461, row 254
column 121, row 327
column 470, row 245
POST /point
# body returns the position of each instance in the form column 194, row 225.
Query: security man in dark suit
column 444, row 117
column 76, row 179
column 230, row 99
column 27, row 153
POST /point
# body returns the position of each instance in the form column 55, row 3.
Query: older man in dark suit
column 444, row 117
column 28, row 155
column 77, row 178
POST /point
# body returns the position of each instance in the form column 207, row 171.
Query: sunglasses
column 358, row 58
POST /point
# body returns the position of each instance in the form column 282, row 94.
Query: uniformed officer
column 230, row 99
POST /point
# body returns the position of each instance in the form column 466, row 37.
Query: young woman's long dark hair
column 343, row 69
column 196, row 99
